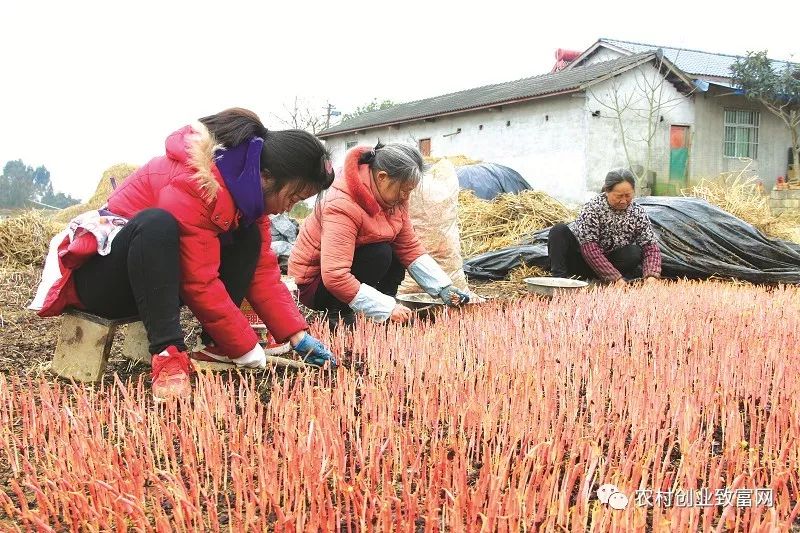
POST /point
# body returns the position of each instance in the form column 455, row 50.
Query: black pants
column 141, row 275
column 566, row 260
column 373, row 264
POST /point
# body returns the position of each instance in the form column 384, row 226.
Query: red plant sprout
column 505, row 417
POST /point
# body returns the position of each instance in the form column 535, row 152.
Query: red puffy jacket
column 186, row 183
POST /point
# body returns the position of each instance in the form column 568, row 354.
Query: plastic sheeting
column 488, row 180
column 697, row 241
column 433, row 210
column 284, row 232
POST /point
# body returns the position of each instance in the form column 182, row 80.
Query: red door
column 425, row 147
column 678, row 156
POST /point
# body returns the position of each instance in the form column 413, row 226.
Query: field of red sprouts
column 503, row 417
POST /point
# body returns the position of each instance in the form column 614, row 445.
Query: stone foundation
column 784, row 201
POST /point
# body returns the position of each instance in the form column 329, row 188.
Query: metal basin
column 548, row 286
column 419, row 301
column 424, row 304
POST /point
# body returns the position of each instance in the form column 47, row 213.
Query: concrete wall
column 605, row 148
column 707, row 151
column 544, row 140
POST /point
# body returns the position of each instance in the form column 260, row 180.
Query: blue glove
column 447, row 294
column 314, row 352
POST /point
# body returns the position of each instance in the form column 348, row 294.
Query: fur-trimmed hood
column 195, row 146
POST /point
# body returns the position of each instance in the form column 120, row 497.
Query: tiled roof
column 488, row 95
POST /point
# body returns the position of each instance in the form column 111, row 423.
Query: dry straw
column 104, row 189
column 24, row 239
column 457, row 160
column 742, row 197
column 505, row 220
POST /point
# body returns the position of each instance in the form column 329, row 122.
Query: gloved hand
column 255, row 358
column 450, row 293
column 314, row 352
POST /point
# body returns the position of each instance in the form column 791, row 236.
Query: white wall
column 709, row 161
column 559, row 147
column 604, row 145
column 544, row 141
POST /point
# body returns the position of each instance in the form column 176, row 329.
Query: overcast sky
column 89, row 84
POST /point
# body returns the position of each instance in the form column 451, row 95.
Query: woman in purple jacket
column 611, row 240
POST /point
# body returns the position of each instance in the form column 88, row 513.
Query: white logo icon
column 610, row 495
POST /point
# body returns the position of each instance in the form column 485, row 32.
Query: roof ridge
column 607, row 39
column 467, row 90
column 619, row 59
column 578, row 75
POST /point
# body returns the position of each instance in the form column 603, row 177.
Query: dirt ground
column 27, row 341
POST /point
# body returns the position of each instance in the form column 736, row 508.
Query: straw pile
column 504, row 221
column 457, row 160
column 742, row 197
column 104, row 189
column 24, row 239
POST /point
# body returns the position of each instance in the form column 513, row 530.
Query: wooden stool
column 84, row 345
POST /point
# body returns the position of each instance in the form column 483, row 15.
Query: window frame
column 737, row 127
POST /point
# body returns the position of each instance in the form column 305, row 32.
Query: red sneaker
column 171, row 370
column 210, row 354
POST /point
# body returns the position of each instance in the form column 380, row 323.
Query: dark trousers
column 141, row 275
column 566, row 260
column 373, row 264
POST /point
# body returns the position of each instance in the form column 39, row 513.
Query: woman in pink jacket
column 191, row 227
column 353, row 251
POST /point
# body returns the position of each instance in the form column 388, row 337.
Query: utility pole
column 331, row 112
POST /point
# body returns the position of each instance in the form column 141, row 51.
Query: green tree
column 372, row 106
column 777, row 86
column 16, row 184
column 60, row 200
column 20, row 184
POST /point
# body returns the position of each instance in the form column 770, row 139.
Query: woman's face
column 284, row 199
column 392, row 192
column 621, row 196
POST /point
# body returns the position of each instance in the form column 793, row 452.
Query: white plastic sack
column 433, row 208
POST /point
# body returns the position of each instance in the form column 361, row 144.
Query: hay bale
column 505, row 220
column 24, row 239
column 104, row 189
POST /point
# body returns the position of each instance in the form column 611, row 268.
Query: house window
column 741, row 133
column 425, row 147
column 350, row 144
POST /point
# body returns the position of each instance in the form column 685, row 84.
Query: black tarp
column 488, row 180
column 697, row 240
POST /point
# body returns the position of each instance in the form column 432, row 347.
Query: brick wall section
column 784, row 201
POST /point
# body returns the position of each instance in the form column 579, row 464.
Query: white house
column 617, row 104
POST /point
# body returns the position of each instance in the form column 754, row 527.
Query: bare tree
column 642, row 105
column 302, row 115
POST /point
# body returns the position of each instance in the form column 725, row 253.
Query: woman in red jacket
column 191, row 227
column 352, row 253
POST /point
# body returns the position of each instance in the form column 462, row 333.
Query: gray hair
column 617, row 176
column 402, row 162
